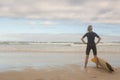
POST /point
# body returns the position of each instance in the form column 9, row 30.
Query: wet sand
column 71, row 71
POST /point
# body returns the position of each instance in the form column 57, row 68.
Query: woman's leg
column 86, row 61
column 95, row 56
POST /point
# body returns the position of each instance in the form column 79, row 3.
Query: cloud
column 100, row 11
column 43, row 23
column 32, row 23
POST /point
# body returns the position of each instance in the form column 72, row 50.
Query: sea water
column 22, row 60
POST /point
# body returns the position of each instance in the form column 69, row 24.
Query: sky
column 59, row 16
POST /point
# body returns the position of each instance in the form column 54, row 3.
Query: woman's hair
column 89, row 28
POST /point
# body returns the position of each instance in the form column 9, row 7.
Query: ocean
column 23, row 60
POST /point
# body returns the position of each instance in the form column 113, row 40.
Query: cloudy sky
column 57, row 16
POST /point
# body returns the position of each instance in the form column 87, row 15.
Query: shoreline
column 29, row 64
column 69, row 72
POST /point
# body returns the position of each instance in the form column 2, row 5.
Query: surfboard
column 104, row 64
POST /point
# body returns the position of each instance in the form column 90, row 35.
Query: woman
column 90, row 44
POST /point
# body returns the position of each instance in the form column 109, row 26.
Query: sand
column 70, row 72
column 67, row 72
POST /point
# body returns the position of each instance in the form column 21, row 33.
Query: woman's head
column 89, row 28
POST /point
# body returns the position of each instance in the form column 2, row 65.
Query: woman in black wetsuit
column 90, row 44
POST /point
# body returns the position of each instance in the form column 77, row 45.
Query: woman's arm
column 83, row 40
column 98, row 40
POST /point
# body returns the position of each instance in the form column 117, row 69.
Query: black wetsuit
column 91, row 42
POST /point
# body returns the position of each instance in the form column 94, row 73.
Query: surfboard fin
column 109, row 67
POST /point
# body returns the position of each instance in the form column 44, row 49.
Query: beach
column 56, row 61
column 70, row 72
column 47, row 39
